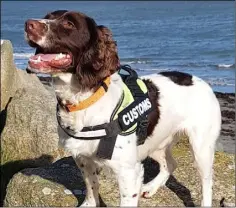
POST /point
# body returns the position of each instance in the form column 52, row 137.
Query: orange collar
column 92, row 99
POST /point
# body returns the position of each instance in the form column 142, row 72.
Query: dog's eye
column 68, row 24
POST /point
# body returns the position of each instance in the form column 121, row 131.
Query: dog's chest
column 125, row 147
column 77, row 147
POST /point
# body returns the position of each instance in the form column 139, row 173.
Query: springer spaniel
column 79, row 55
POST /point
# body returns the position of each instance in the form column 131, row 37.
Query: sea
column 196, row 37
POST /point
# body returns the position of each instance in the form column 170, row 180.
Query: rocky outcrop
column 226, row 142
column 60, row 184
column 29, row 135
column 8, row 73
column 30, row 130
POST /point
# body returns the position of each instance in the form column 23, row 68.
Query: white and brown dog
column 80, row 55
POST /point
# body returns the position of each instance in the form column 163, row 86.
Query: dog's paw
column 148, row 190
column 88, row 204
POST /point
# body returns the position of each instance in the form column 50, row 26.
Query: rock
column 8, row 73
column 57, row 185
column 226, row 141
column 29, row 135
column 30, row 129
column 61, row 184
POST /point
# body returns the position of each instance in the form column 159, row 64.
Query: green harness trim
column 126, row 100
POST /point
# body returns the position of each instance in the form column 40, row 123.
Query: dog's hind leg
column 167, row 166
column 204, row 158
column 89, row 171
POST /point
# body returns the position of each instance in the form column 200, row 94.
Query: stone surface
column 59, row 184
column 226, row 141
column 28, row 127
column 31, row 127
column 8, row 73
column 64, row 180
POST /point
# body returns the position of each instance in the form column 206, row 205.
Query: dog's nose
column 35, row 25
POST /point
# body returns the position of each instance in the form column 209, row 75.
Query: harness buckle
column 113, row 128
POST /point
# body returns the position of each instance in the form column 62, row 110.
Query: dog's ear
column 105, row 33
column 99, row 58
column 55, row 14
column 107, row 56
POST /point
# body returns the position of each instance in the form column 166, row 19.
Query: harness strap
column 107, row 133
column 106, row 130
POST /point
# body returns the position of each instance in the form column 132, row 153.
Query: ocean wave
column 202, row 65
column 23, row 55
column 19, row 63
column 226, row 65
column 152, row 69
column 135, row 61
column 219, row 82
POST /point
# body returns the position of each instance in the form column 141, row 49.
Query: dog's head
column 68, row 41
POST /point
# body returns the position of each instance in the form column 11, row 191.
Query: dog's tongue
column 48, row 57
column 54, row 60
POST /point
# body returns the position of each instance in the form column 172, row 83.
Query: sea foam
column 226, row 65
column 23, row 55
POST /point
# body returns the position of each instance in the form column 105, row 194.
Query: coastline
column 226, row 142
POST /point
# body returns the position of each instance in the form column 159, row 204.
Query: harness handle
column 127, row 68
column 130, row 80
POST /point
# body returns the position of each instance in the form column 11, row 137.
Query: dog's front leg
column 89, row 171
column 130, row 180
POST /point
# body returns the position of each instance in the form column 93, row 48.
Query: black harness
column 110, row 131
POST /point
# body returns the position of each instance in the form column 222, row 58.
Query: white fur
column 44, row 41
column 193, row 110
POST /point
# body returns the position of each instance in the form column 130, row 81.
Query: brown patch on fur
column 179, row 78
column 135, row 195
column 154, row 116
column 93, row 49
column 55, row 14
column 100, row 61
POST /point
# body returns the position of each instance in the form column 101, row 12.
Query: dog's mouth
column 50, row 63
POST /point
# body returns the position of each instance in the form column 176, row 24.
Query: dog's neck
column 68, row 90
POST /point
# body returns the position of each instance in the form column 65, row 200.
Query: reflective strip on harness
column 101, row 131
column 96, row 133
column 135, row 112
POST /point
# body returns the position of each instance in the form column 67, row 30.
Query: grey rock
column 29, row 136
column 51, row 186
column 60, row 184
column 8, row 73
column 30, row 129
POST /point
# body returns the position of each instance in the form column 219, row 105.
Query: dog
column 80, row 55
